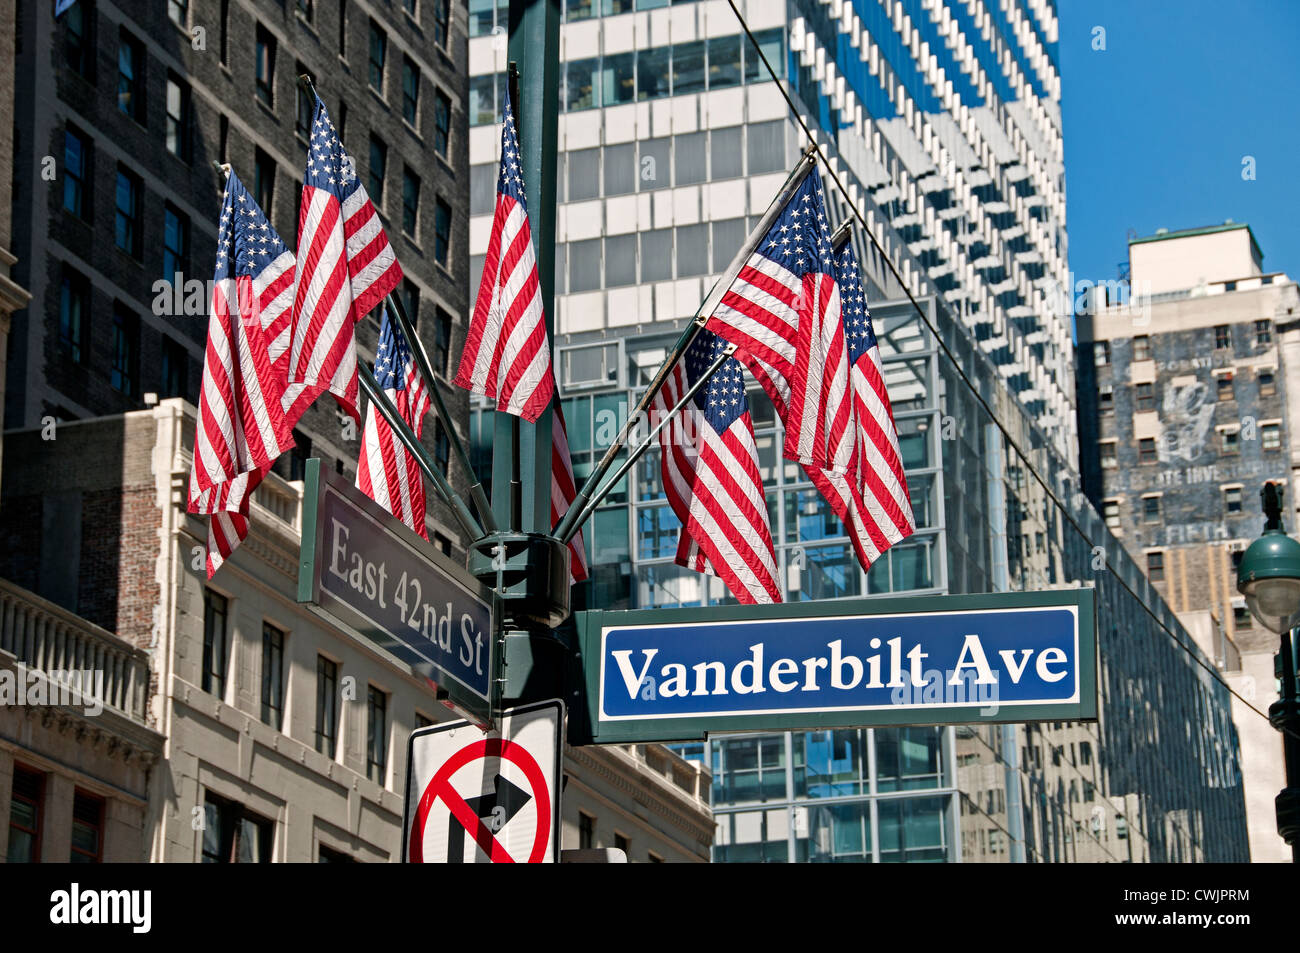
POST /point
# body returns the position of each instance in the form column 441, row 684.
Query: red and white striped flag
column 710, row 471
column 345, row 267
column 241, row 425
column 564, row 491
column 386, row 471
column 507, row 356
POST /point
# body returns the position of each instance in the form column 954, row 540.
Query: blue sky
column 1157, row 124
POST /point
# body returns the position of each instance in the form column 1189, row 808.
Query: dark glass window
column 441, row 448
column 174, row 378
column 482, row 100
column 376, row 735
column 1144, row 396
column 690, row 158
column 688, row 68
column 127, row 223
column 1151, row 509
column 343, row 28
column 652, row 73
column 76, row 173
column 442, row 345
column 411, row 301
column 215, row 608
column 176, row 242
column 78, row 53
column 264, row 180
column 620, row 169
column 327, row 706
column 1156, row 567
column 586, row 831
column 442, row 233
column 25, row 814
column 74, row 313
column 1263, row 331
column 769, row 41
column 480, row 17
column 265, row 66
column 1267, row 383
column 724, row 61
column 612, row 7
column 410, row 202
column 441, row 21
column 1222, row 336
column 378, row 51
column 580, row 9
column 584, row 174
column 1232, row 499
column 234, row 835
column 378, row 166
column 87, row 828
column 130, row 76
column 1146, row 450
column 692, row 250
column 179, row 11
column 1142, row 348
column 441, row 123
column 620, row 260
column 225, row 29
column 125, row 373
column 411, row 93
column 272, row 676
column 618, row 79
column 657, row 255
column 581, row 90
column 178, row 119
column 306, row 8
column 1231, row 441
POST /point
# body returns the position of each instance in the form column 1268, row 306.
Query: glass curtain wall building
column 944, row 126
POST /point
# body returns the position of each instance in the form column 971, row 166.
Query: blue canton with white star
column 723, row 398
column 392, row 357
column 511, row 179
column 800, row 239
column 858, row 332
column 329, row 166
column 246, row 242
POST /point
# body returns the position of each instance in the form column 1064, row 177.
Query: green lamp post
column 1269, row 578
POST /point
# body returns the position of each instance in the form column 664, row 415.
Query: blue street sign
column 671, row 674
column 364, row 569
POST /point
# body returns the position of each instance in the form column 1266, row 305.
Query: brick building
column 1186, row 397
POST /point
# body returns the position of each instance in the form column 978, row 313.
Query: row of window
column 1225, row 389
column 486, row 16
column 643, row 75
column 27, row 821
column 1261, row 335
column 1229, row 444
column 216, row 664
column 587, row 839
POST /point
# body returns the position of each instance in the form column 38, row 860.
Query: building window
column 264, row 180
column 1241, row 618
column 176, row 243
column 441, row 123
column 623, row 844
column 1224, row 386
column 410, row 202
column 1232, row 499
column 304, row 8
column 78, row 53
column 1144, row 396
column 1222, row 336
column 127, row 224
column 74, row 313
column 581, row 84
column 265, row 66
column 1142, row 348
column 441, row 21
column 441, row 448
column 178, row 119
column 174, row 379
column 378, row 51
column 1101, row 353
column 179, row 11
column 1147, row 450
column 130, row 76
column 411, row 93
column 1109, row 459
column 442, row 233
column 654, row 858
column 272, row 676
column 1110, row 510
column 1156, row 567
column 328, row 855
column 412, row 8
column 1106, row 398
column 1263, row 332
column 87, row 828
column 411, row 301
column 1267, row 382
column 76, row 174
column 1271, row 435
column 378, row 166
column 377, row 736
column 618, row 79
column 234, row 835
column 25, row 817
column 442, row 344
column 1151, row 509
column 215, row 608
column 125, row 373
column 1230, row 441
column 327, row 706
column 586, row 831
column 225, row 30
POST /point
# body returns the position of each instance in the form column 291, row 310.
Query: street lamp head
column 1269, row 573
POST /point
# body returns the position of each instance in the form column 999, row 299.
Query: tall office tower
column 942, row 121
column 1185, row 412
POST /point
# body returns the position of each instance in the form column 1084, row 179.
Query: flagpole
column 570, row 523
column 421, row 356
column 407, row 436
column 636, row 454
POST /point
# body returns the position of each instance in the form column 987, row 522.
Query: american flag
column 710, row 470
column 241, row 426
column 346, row 267
column 386, row 471
column 564, row 490
column 507, row 356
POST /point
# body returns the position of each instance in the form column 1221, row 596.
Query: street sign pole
column 526, row 566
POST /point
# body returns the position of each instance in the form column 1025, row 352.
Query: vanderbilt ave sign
column 677, row 674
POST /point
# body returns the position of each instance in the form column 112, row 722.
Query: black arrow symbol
column 495, row 810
